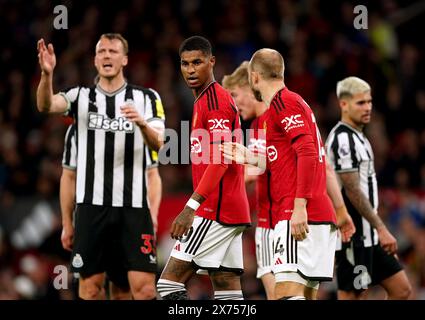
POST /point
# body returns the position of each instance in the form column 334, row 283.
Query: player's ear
column 125, row 61
column 212, row 61
column 255, row 77
column 343, row 104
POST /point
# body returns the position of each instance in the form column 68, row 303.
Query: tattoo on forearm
column 351, row 183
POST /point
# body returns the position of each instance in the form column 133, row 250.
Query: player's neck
column 198, row 91
column 351, row 123
column 270, row 91
column 260, row 108
column 111, row 84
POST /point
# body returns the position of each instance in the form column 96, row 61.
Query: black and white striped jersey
column 69, row 158
column 111, row 154
column 349, row 150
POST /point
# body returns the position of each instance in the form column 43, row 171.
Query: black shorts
column 378, row 264
column 109, row 237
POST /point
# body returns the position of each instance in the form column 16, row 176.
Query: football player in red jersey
column 305, row 233
column 209, row 228
column 251, row 109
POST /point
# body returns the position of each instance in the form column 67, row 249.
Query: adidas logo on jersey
column 100, row 121
column 177, row 247
column 278, row 261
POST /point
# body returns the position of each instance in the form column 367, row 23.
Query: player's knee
column 90, row 291
column 402, row 292
column 144, row 291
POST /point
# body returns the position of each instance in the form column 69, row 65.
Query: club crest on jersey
column 100, row 121
column 292, row 122
column 344, row 150
column 77, row 261
column 195, row 145
column 272, row 153
column 218, row 125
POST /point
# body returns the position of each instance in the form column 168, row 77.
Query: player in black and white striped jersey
column 114, row 120
column 370, row 257
column 118, row 285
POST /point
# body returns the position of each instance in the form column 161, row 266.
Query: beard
column 257, row 95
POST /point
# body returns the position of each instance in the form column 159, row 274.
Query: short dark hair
column 196, row 43
column 117, row 36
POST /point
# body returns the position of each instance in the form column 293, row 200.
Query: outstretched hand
column 46, row 57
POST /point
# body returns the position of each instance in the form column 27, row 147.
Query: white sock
column 295, row 298
column 167, row 287
column 228, row 295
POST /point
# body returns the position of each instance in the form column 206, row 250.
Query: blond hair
column 239, row 77
column 116, row 36
column 351, row 86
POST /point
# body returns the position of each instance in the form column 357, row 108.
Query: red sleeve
column 306, row 165
column 210, row 179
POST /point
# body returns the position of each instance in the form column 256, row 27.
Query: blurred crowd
column 320, row 46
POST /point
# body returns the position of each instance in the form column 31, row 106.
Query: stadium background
column 320, row 46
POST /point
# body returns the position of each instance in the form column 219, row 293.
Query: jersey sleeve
column 342, row 154
column 69, row 159
column 154, row 111
column 290, row 117
column 71, row 97
column 151, row 158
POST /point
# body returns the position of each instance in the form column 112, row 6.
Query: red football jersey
column 289, row 117
column 214, row 120
column 257, row 144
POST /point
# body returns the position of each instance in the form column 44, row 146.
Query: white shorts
column 264, row 250
column 211, row 246
column 312, row 258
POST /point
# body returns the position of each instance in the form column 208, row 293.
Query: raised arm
column 46, row 100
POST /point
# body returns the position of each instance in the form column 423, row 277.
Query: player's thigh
column 138, row 240
column 354, row 270
column 116, row 268
column 210, row 245
column 264, row 251
column 385, row 266
column 312, row 258
column 178, row 270
column 91, row 239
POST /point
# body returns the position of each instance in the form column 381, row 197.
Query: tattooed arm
column 351, row 183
